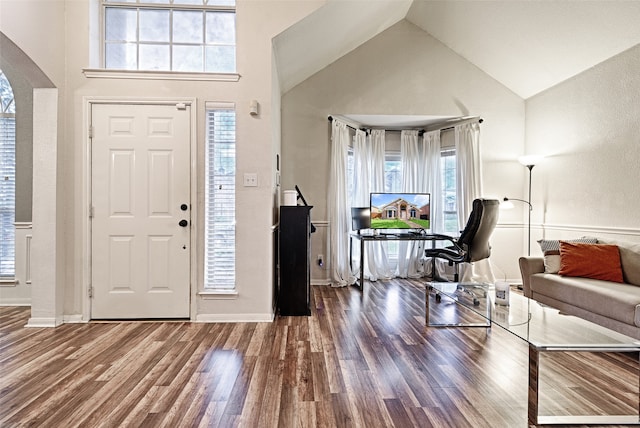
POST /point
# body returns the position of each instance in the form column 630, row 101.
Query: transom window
column 170, row 35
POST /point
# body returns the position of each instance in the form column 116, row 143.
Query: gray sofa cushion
column 629, row 259
column 613, row 300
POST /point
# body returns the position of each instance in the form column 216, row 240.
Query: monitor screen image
column 400, row 210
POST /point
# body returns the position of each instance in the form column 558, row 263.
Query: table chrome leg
column 534, row 365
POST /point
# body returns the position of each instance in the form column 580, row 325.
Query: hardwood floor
column 360, row 360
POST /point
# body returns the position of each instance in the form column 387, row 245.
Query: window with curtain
column 393, row 183
column 7, row 180
column 220, row 199
column 170, row 35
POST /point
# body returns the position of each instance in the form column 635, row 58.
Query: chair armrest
column 529, row 266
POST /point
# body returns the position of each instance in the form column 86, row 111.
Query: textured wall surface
column 588, row 128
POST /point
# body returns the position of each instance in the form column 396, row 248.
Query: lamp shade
column 530, row 160
column 506, row 204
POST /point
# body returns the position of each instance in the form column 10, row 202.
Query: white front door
column 140, row 197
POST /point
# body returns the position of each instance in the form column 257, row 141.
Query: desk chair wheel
column 476, row 302
column 438, row 298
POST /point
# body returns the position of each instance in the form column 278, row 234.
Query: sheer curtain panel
column 433, row 183
column 412, row 157
column 338, row 207
column 433, row 179
column 469, row 187
column 372, row 153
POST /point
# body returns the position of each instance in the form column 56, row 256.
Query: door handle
column 184, row 207
column 183, row 223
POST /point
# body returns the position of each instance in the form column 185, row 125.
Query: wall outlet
column 320, row 260
column 250, row 179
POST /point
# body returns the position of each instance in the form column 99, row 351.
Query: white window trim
column 104, row 73
column 219, row 294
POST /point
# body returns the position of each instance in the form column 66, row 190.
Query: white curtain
column 433, row 179
column 433, row 183
column 468, row 169
column 370, row 154
column 469, row 187
column 338, row 207
column 410, row 253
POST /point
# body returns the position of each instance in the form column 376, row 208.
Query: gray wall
column 588, row 128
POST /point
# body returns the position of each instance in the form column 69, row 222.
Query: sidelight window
column 220, row 198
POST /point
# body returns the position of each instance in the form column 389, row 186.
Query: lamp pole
column 530, row 209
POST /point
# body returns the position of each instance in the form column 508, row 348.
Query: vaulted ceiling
column 528, row 46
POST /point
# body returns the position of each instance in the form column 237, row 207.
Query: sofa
column 612, row 303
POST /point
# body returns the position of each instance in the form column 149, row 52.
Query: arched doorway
column 37, row 134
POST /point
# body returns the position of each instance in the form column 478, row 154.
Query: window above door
column 188, row 36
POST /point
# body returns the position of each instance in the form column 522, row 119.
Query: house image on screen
column 402, row 210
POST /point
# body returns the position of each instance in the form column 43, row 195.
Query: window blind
column 220, row 199
column 7, row 194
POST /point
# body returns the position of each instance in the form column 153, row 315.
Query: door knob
column 183, row 223
column 184, row 207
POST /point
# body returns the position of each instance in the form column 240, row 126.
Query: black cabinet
column 294, row 260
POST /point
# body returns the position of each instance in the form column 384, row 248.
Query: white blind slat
column 220, row 199
column 7, row 179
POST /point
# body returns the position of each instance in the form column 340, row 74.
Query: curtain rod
column 448, row 126
column 368, row 130
column 439, row 127
column 348, row 126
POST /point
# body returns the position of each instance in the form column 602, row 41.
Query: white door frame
column 83, row 211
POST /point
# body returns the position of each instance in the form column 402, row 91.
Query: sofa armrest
column 529, row 266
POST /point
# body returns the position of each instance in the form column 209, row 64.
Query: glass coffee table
column 544, row 328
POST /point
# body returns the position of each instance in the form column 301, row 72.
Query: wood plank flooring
column 360, row 360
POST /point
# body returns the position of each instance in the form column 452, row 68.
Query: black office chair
column 473, row 243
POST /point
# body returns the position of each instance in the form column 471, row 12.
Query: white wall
column 405, row 71
column 68, row 28
column 588, row 128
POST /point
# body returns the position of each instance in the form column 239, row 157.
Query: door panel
column 140, row 170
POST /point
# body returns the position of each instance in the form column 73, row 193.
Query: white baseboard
column 44, row 322
column 15, row 302
column 74, row 319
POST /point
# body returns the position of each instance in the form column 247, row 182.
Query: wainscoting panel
column 320, row 275
column 18, row 293
column 508, row 244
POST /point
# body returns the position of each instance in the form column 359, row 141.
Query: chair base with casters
column 464, row 289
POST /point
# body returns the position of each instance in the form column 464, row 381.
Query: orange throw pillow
column 597, row 261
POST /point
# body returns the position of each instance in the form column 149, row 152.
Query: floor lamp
column 528, row 161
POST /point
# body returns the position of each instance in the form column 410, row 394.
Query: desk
column 382, row 237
